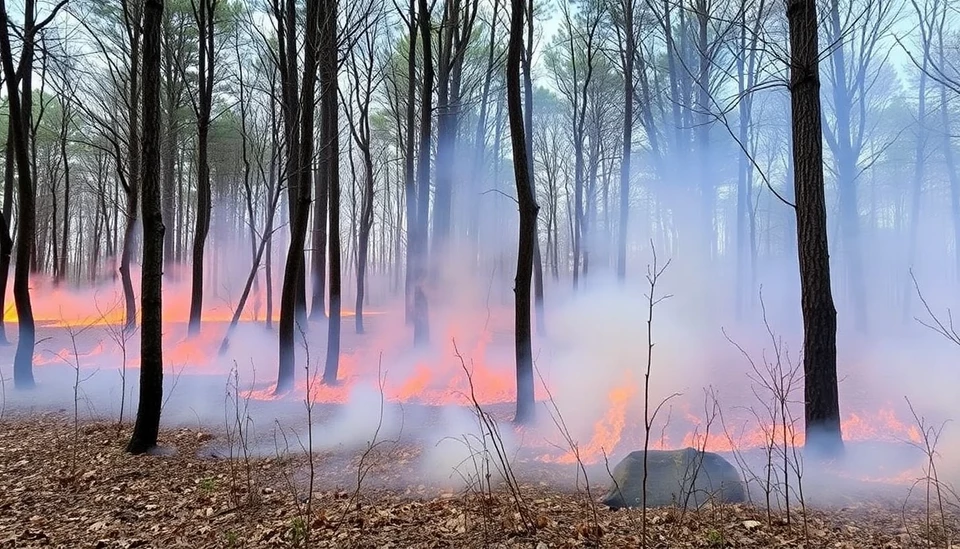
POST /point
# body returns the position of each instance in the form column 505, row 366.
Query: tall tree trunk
column 409, row 175
column 628, row 91
column 363, row 67
column 301, row 211
column 65, row 113
column 421, row 321
column 480, row 135
column 170, row 145
column 846, row 154
column 133, row 15
column 271, row 188
column 919, row 163
column 26, row 222
column 330, row 137
column 6, row 239
column 319, row 257
column 442, row 196
column 254, row 268
column 366, row 225
column 287, row 38
column 147, row 426
column 822, row 408
column 527, row 67
column 707, row 187
column 528, row 221
column 204, row 14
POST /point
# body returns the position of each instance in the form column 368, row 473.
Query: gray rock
column 685, row 477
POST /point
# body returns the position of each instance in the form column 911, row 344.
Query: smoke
column 592, row 357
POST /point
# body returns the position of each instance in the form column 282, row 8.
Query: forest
column 479, row 273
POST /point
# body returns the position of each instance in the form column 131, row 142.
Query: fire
column 434, row 377
column 607, row 431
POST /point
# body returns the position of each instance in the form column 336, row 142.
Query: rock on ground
column 687, row 478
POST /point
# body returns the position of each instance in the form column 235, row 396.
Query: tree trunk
column 919, row 163
column 147, row 426
column 846, row 154
column 132, row 20
column 254, row 268
column 628, row 91
column 480, row 135
column 170, row 145
column 26, row 223
column 6, row 239
column 409, row 175
column 319, row 273
column 527, row 66
column 204, row 15
column 65, row 237
column 528, row 221
column 822, row 408
column 421, row 321
column 330, row 137
column 301, row 210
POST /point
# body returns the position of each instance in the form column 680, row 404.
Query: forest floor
column 69, row 484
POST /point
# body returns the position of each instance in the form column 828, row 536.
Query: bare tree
column 421, row 320
column 367, row 76
column 330, row 145
column 626, row 33
column 20, row 108
column 300, row 173
column 205, row 17
column 856, row 28
column 822, row 410
column 528, row 220
column 147, row 426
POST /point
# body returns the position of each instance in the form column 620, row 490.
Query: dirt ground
column 70, row 485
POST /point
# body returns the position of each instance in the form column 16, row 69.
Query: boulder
column 685, row 477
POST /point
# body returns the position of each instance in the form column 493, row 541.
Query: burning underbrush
column 589, row 386
column 427, row 395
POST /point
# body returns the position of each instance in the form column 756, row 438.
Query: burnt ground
column 69, row 484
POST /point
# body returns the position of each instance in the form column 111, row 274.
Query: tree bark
column 318, row 307
column 205, row 15
column 6, row 239
column 133, row 15
column 628, row 91
column 170, row 144
column 330, row 137
column 300, row 173
column 528, row 221
column 421, row 320
column 822, row 408
column 147, row 425
column 409, row 175
column 19, row 115
column 527, row 67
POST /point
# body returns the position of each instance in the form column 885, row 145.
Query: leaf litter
column 67, row 488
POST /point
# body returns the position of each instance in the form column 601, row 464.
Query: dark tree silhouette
column 330, row 139
column 293, row 274
column 627, row 54
column 204, row 13
column 822, row 409
column 409, row 173
column 132, row 21
column 19, row 112
column 528, row 220
column 421, row 318
column 147, row 426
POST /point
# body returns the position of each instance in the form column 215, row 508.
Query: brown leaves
column 53, row 494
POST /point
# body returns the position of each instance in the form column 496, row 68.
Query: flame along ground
column 435, row 379
column 610, row 425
